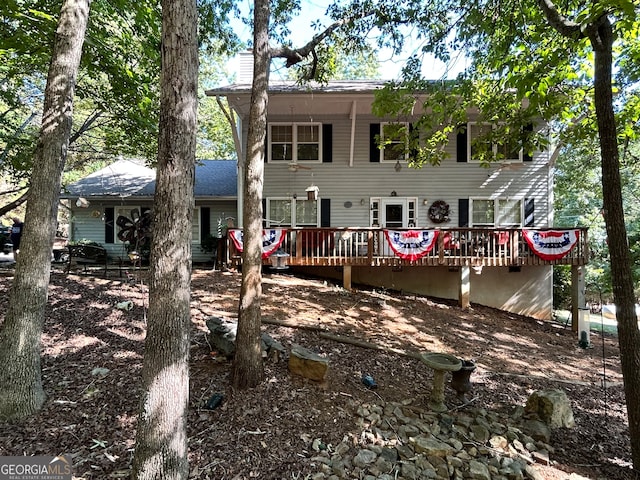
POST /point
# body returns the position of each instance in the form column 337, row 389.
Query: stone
column 480, row 433
column 409, row 471
column 552, row 407
column 533, row 473
column 478, row 470
column 537, row 430
column 390, row 454
column 273, row 348
column 431, row 446
column 222, row 336
column 364, row 458
column 308, row 364
column 498, row 442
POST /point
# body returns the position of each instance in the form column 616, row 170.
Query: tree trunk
column 161, row 437
column 21, row 378
column 621, row 275
column 247, row 369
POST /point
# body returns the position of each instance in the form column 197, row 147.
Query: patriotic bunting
column 551, row 244
column 271, row 240
column 412, row 244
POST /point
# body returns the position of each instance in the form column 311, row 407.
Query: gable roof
column 127, row 177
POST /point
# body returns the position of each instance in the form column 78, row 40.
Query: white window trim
column 197, row 235
column 271, row 224
column 294, row 142
column 406, row 145
column 470, row 138
column 375, row 205
column 496, row 211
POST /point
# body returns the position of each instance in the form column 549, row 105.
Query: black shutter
column 264, row 212
column 205, row 223
column 266, row 145
column 109, row 226
column 461, row 144
column 528, row 130
column 413, row 152
column 463, row 212
column 529, row 207
column 327, row 143
column 325, row 212
column 374, row 151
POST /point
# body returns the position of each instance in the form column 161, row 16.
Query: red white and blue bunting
column 272, row 238
column 551, row 244
column 411, row 244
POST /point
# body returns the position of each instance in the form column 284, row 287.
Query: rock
column 480, row 433
column 537, row 430
column 364, row 458
column 552, row 407
column 410, row 471
column 308, row 364
column 478, row 471
column 272, row 347
column 222, row 336
column 431, row 446
column 533, row 473
column 498, row 442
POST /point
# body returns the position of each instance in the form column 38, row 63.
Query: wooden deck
column 475, row 247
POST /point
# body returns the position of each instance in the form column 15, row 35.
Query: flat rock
column 308, row 364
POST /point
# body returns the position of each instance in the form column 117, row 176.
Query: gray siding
column 88, row 224
column 449, row 181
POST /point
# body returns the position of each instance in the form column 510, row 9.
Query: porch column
column 346, row 277
column 577, row 294
column 464, row 292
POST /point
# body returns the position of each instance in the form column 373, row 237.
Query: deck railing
column 359, row 246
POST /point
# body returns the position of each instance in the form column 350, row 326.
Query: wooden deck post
column 577, row 294
column 464, row 294
column 346, row 277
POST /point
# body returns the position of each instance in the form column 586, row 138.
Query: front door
column 394, row 213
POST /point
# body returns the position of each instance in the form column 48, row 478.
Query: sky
column 390, row 67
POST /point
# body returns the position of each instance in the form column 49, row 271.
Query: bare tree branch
column 15, row 204
column 294, row 56
column 13, row 190
column 228, row 113
column 86, row 125
column 563, row 25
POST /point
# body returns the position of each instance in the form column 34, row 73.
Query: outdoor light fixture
column 397, row 167
column 312, row 192
column 82, row 202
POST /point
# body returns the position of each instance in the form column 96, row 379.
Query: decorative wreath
column 439, row 211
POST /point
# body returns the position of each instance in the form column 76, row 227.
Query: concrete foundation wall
column 525, row 292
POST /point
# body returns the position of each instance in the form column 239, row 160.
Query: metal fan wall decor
column 135, row 231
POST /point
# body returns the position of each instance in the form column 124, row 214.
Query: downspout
column 352, row 147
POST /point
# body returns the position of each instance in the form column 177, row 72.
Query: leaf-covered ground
column 92, row 355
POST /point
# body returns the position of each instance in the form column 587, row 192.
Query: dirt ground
column 92, row 355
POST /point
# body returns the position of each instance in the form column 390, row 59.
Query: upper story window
column 394, row 137
column 499, row 212
column 295, row 142
column 482, row 146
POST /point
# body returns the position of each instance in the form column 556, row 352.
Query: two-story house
column 355, row 211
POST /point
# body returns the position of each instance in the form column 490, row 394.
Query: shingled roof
column 127, row 177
